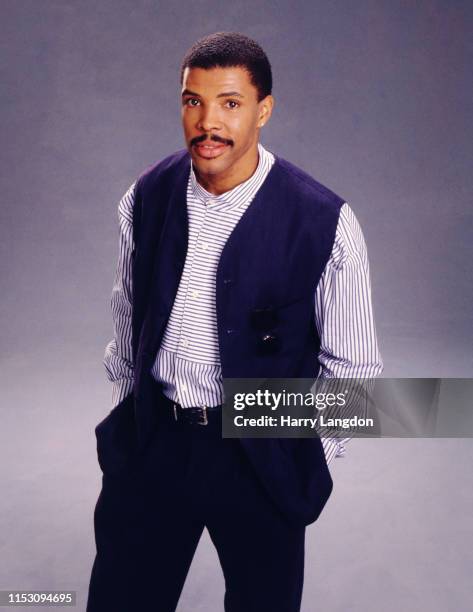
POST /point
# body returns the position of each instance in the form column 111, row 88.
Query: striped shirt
column 188, row 362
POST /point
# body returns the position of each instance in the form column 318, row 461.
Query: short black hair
column 225, row 49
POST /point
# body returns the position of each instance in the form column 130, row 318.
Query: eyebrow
column 227, row 94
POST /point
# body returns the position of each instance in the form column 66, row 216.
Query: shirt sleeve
column 344, row 314
column 118, row 357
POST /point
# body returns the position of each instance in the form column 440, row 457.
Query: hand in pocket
column 116, row 437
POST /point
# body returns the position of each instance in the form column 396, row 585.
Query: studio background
column 373, row 98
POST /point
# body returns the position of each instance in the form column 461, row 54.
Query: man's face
column 222, row 117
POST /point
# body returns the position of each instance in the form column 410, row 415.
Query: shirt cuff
column 120, row 389
column 333, row 448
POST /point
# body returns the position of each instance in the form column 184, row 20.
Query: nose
column 209, row 119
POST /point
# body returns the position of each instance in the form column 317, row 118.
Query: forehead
column 213, row 81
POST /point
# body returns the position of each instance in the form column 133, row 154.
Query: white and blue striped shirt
column 188, row 362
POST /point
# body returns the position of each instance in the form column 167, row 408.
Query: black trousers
column 151, row 513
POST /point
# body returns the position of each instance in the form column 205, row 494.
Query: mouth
column 209, row 150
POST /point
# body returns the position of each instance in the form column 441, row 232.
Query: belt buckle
column 205, row 420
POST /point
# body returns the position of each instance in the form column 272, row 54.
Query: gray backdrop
column 373, row 98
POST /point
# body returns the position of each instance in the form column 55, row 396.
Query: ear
column 265, row 110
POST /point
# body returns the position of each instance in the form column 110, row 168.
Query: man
column 233, row 264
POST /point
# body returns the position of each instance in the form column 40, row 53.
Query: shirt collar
column 241, row 195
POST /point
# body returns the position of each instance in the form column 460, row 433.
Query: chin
column 212, row 166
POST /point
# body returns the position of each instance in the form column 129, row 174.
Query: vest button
column 268, row 339
column 230, row 331
column 227, row 281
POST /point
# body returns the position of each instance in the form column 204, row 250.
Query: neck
column 217, row 184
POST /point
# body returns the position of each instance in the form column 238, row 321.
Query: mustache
column 213, row 137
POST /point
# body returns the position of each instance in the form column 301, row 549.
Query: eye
column 232, row 104
column 192, row 102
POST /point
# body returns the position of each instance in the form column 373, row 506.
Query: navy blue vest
column 266, row 278
column 266, row 282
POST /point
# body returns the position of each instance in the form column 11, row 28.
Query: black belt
column 196, row 415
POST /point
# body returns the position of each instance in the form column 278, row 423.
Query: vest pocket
column 277, row 325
